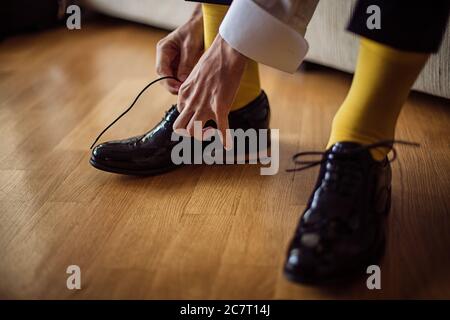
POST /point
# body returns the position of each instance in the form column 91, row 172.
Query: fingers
column 194, row 127
column 190, row 123
column 166, row 59
column 208, row 133
column 172, row 85
column 224, row 133
column 196, row 108
column 187, row 62
column 183, row 96
column 182, row 121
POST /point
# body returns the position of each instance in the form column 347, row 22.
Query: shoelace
column 131, row 106
column 306, row 164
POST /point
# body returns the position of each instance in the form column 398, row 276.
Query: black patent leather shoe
column 342, row 230
column 150, row 153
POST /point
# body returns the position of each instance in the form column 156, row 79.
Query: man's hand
column 209, row 91
column 178, row 52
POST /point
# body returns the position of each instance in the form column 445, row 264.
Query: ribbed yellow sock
column 250, row 87
column 382, row 81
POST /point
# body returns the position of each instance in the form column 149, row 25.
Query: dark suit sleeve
column 409, row 25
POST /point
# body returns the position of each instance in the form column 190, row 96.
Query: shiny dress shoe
column 150, row 153
column 342, row 230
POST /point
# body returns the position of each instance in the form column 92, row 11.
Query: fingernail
column 229, row 141
column 208, row 133
column 228, row 146
column 178, row 131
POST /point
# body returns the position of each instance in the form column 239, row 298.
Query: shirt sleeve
column 268, row 31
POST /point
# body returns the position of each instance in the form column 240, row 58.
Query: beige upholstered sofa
column 330, row 44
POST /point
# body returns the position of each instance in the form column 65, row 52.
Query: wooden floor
column 202, row 232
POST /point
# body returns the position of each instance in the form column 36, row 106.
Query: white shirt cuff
column 255, row 33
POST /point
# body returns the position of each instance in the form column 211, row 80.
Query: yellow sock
column 250, row 87
column 382, row 81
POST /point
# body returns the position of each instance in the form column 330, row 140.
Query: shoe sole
column 153, row 172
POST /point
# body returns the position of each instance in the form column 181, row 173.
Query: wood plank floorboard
column 195, row 233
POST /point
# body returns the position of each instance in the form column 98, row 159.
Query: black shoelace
column 131, row 106
column 306, row 164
